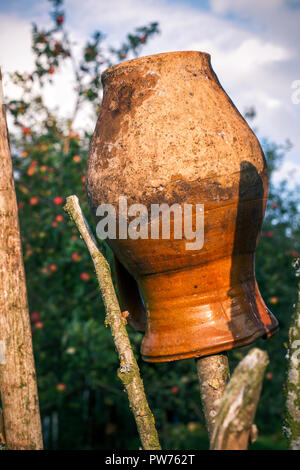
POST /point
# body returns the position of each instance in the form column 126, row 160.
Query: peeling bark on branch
column 129, row 371
column 233, row 424
column 17, row 371
column 213, row 374
column 292, row 427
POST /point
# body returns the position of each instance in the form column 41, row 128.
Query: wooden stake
column 213, row 374
column 234, row 420
column 292, row 425
column 19, row 396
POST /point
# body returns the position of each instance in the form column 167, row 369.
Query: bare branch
column 129, row 371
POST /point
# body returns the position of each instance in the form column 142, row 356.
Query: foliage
column 81, row 398
column 278, row 246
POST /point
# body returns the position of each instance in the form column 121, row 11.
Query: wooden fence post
column 19, row 396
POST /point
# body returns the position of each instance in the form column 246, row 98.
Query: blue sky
column 254, row 45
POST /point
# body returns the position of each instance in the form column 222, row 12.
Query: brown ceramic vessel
column 168, row 133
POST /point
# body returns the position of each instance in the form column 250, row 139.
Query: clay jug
column 168, row 133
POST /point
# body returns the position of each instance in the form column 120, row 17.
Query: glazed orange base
column 218, row 348
column 221, row 306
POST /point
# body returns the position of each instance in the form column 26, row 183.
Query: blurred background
column 52, row 55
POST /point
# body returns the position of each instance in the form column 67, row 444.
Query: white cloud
column 15, row 40
column 289, row 171
column 245, row 7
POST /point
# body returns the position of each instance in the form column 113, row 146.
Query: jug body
column 168, row 134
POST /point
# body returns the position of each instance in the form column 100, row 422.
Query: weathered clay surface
column 168, row 133
column 165, row 121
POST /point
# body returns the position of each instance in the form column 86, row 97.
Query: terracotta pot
column 168, row 133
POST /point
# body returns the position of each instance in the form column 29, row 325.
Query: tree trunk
column 18, row 387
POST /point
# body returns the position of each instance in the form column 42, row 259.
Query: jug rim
column 149, row 58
